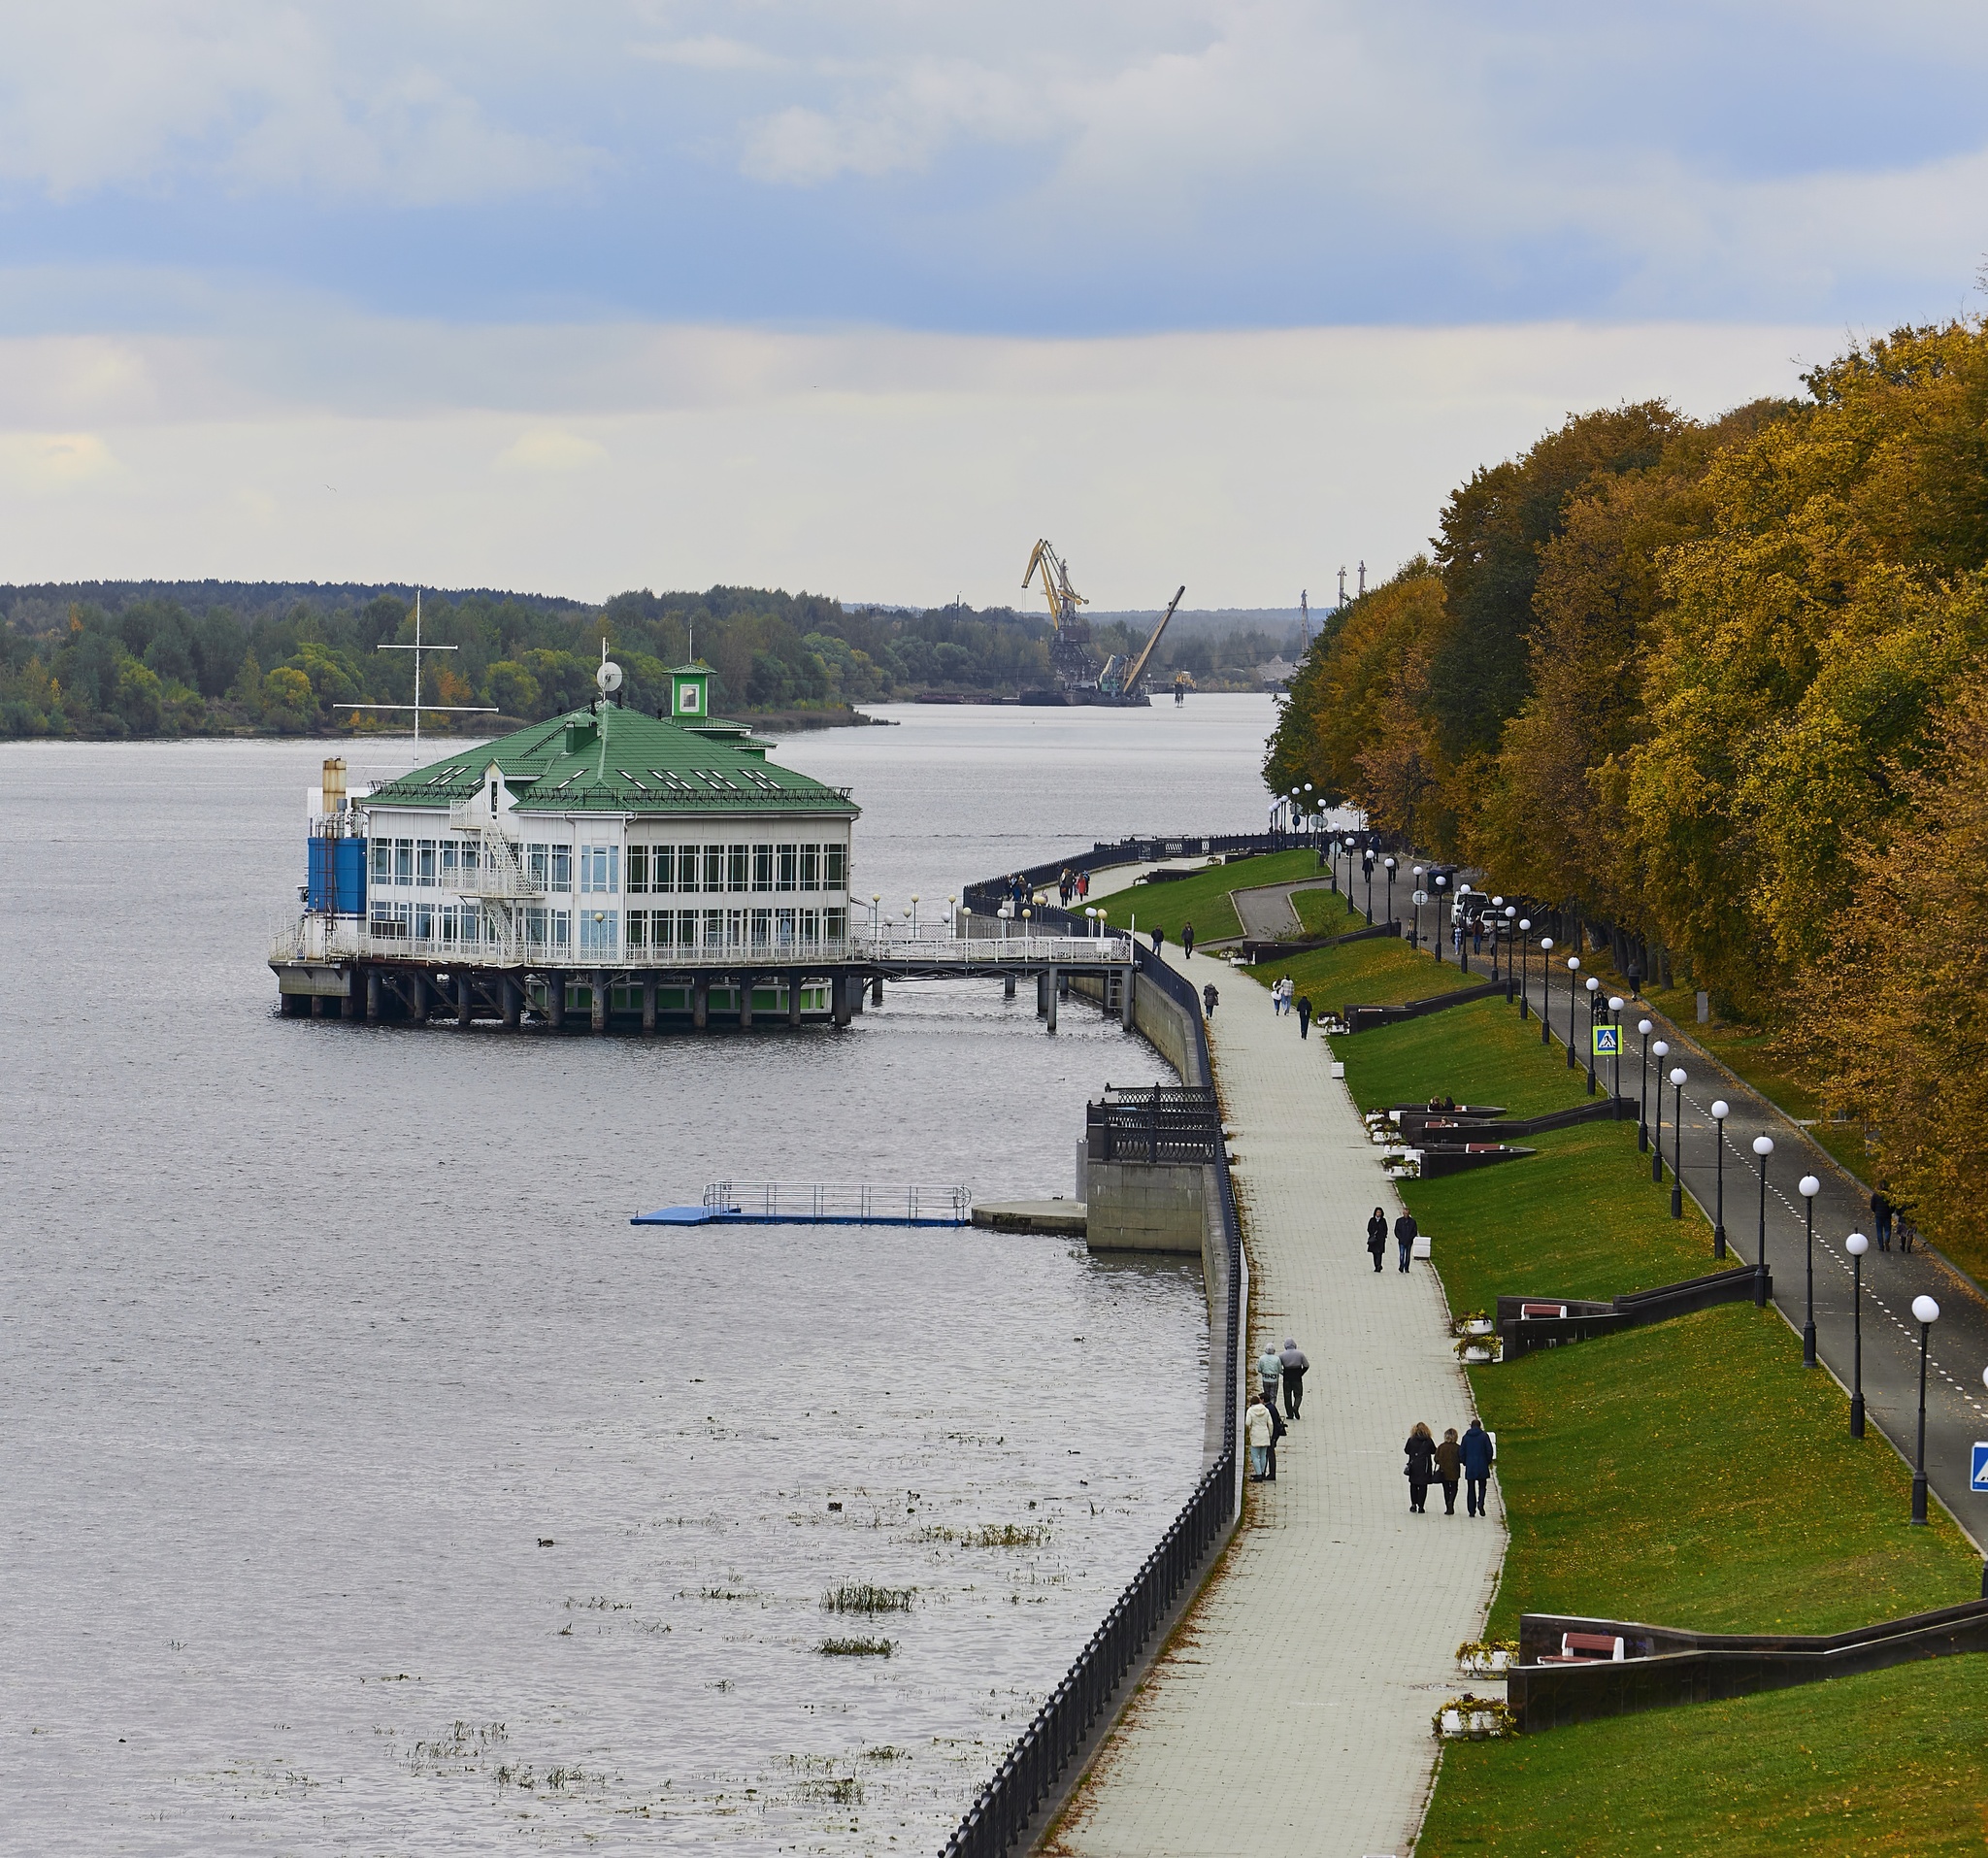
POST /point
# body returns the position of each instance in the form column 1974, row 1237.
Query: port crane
column 1079, row 678
column 1124, row 682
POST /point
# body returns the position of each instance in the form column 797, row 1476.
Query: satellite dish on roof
column 608, row 677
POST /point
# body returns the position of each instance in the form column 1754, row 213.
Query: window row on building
column 649, row 933
column 559, row 870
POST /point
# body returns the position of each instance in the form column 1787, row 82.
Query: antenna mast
column 441, row 709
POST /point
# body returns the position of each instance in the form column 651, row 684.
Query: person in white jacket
column 1256, row 1429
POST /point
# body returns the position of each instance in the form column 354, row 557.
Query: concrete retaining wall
column 1139, row 1206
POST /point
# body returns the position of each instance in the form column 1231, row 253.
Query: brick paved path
column 1292, row 1715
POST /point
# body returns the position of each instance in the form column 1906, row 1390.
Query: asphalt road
column 1956, row 1399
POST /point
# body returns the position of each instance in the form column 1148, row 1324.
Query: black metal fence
column 990, row 893
column 1155, row 1123
column 1014, row 1790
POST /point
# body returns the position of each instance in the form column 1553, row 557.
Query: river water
column 372, row 1486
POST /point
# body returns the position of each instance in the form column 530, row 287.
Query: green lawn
column 1204, row 898
column 1889, row 1763
column 1326, row 913
column 1691, row 1474
column 1381, row 973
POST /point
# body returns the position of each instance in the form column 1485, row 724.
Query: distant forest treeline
column 204, row 657
column 1724, row 685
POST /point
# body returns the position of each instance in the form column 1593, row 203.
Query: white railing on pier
column 841, row 1201
column 322, row 939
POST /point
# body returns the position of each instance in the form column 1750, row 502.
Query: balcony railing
column 346, row 938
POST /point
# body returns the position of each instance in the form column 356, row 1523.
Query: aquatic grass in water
column 860, row 1596
column 856, row 1647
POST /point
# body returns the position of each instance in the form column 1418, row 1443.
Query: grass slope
column 1204, row 899
column 1690, row 1474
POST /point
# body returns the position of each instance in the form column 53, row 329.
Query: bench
column 1528, row 1310
column 1586, row 1648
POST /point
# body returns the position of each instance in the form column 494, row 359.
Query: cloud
column 550, row 451
column 256, row 98
column 870, row 462
column 53, row 460
column 1026, row 166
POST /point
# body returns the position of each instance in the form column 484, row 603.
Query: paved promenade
column 1291, row 1716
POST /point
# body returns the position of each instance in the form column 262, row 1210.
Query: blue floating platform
column 732, row 1216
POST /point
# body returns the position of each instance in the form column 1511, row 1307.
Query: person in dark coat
column 1210, row 999
column 1448, row 1468
column 1880, row 1214
column 1421, row 1466
column 1303, row 1016
column 1479, row 1455
column 1296, row 1363
column 1187, row 940
column 1405, row 1230
column 1159, row 938
column 1376, row 1236
column 1278, row 1429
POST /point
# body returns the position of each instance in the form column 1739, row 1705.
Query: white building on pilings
column 612, row 869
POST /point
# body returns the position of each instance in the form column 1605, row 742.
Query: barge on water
column 610, row 869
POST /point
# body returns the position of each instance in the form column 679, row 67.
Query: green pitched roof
column 609, row 759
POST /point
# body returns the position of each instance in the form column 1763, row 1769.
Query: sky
column 862, row 299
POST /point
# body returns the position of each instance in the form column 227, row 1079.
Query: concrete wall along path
column 1291, row 1713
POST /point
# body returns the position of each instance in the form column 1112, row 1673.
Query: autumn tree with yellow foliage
column 1703, row 681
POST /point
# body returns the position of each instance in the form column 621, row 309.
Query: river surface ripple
column 372, row 1486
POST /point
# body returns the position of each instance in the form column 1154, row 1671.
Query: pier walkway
column 1291, row 1713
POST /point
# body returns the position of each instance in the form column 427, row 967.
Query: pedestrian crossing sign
column 1978, row 1480
column 1608, row 1042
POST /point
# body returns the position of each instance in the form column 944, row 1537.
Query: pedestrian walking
column 1159, row 936
column 1478, row 1454
column 1296, row 1367
column 1376, row 1236
column 1405, row 1237
column 1303, row 1016
column 1210, row 999
column 1278, row 1429
column 1881, row 1215
column 1907, row 1231
column 1450, row 1466
column 1256, row 1430
column 1421, row 1466
column 1083, row 886
column 1187, row 940
column 1269, row 1370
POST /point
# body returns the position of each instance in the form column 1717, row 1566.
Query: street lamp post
column 1545, row 990
column 1594, row 988
column 1388, row 863
column 1572, row 982
column 1525, row 942
column 1677, row 1082
column 1615, row 1006
column 1720, row 1111
column 1441, row 886
column 1856, row 1244
column 1463, row 936
column 1762, row 1146
column 1925, row 1312
column 1367, row 866
column 1642, row 1089
column 1659, row 1051
column 1808, row 1187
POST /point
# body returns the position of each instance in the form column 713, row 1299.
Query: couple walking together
column 1470, row 1458
column 1262, row 1424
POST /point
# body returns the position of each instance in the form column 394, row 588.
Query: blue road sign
column 1608, row 1041
column 1978, row 1480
